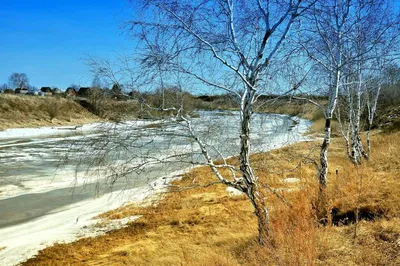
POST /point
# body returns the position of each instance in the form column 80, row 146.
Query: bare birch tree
column 325, row 42
column 372, row 95
column 376, row 79
column 337, row 39
column 19, row 80
column 372, row 43
column 226, row 45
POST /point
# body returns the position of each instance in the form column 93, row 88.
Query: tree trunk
column 323, row 158
column 249, row 178
column 368, row 139
column 262, row 213
column 371, row 114
column 244, row 154
column 346, row 135
column 348, row 147
column 323, row 172
column 359, row 145
column 355, row 154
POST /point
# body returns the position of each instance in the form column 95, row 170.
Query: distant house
column 83, row 91
column 21, row 91
column 47, row 91
column 70, row 91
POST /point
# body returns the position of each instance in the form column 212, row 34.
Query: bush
column 9, row 91
column 52, row 108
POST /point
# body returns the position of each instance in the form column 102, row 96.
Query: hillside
column 18, row 111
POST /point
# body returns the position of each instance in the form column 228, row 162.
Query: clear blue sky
column 47, row 39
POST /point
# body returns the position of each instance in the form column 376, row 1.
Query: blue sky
column 47, row 39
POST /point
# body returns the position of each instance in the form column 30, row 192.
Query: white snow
column 291, row 180
column 33, row 184
column 64, row 130
column 7, row 190
column 43, row 131
column 233, row 191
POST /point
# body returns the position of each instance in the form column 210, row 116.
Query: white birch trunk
column 371, row 113
column 359, row 145
column 323, row 174
column 324, row 165
column 251, row 181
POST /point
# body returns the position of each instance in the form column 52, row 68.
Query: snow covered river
column 54, row 180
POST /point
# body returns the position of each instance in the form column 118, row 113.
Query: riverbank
column 210, row 226
column 21, row 111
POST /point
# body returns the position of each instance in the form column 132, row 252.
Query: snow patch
column 233, row 192
column 290, row 180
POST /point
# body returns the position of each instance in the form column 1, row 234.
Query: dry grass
column 318, row 127
column 32, row 111
column 120, row 110
column 302, row 109
column 206, row 226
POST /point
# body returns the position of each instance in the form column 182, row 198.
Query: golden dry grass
column 318, row 126
column 302, row 109
column 32, row 111
column 206, row 226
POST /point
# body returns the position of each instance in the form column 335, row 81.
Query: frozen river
column 53, row 180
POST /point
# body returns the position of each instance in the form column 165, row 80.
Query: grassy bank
column 207, row 226
column 31, row 111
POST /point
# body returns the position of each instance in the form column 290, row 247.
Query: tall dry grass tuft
column 53, row 108
column 372, row 186
column 294, row 236
column 366, row 200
